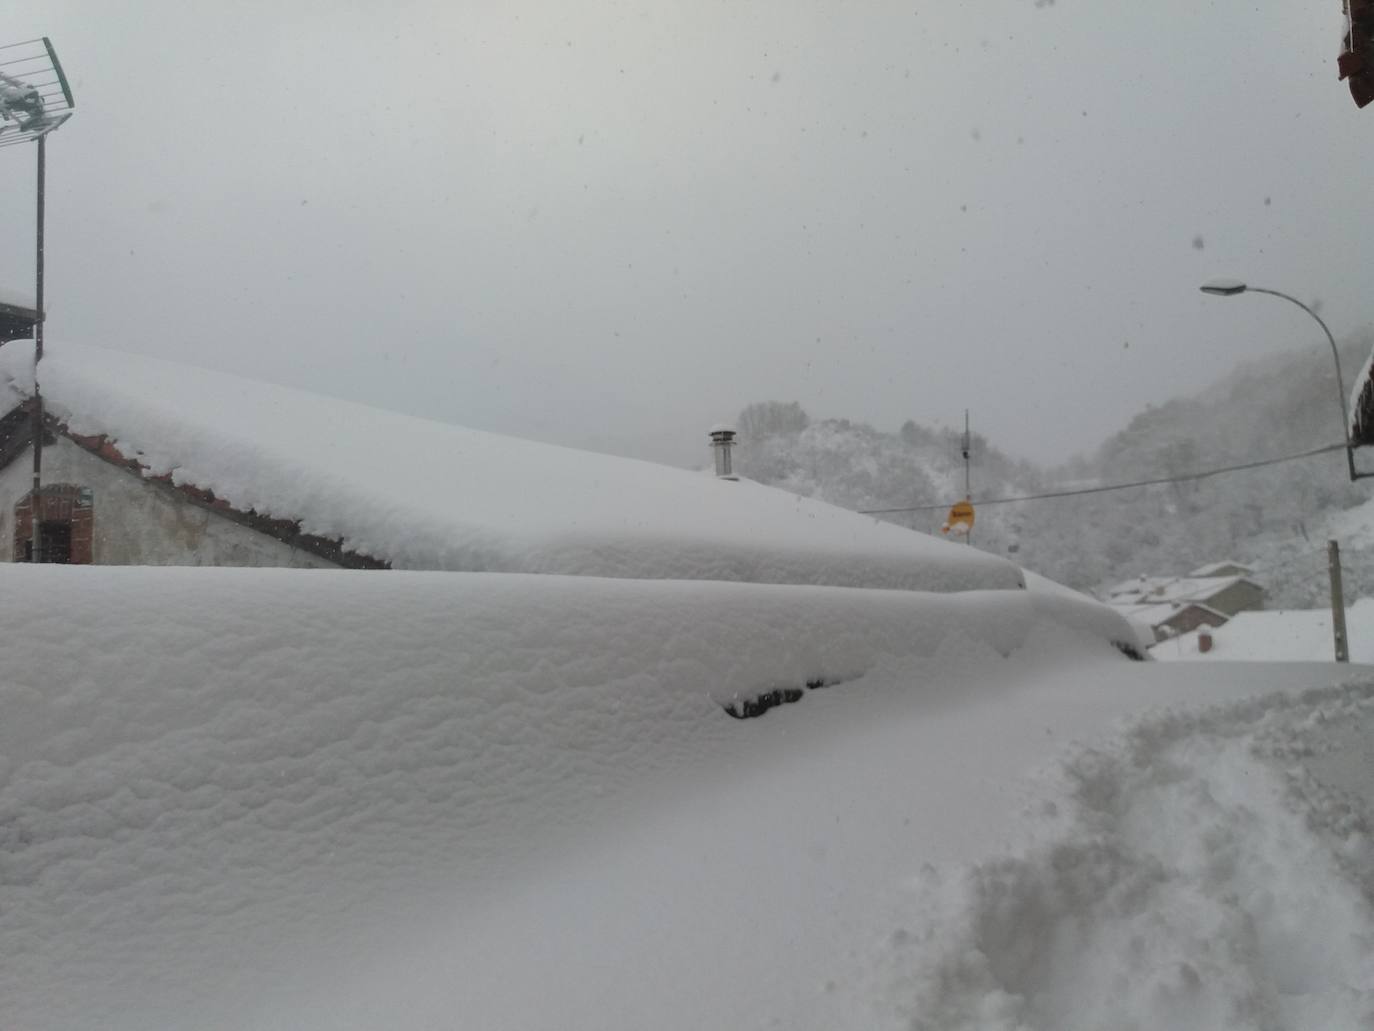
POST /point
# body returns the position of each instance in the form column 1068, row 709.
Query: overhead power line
column 1079, row 491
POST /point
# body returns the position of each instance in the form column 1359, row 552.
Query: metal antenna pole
column 35, row 499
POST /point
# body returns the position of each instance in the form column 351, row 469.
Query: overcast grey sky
column 611, row 225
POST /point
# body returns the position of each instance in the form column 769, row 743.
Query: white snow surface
column 430, row 495
column 1160, row 589
column 1207, row 870
column 253, row 799
column 1279, row 635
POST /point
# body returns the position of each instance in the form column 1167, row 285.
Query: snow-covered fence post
column 1333, row 565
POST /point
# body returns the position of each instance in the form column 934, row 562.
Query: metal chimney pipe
column 722, row 440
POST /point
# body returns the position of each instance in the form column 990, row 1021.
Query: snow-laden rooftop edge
column 429, row 495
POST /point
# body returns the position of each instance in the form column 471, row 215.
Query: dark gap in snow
column 1129, row 650
column 750, row 708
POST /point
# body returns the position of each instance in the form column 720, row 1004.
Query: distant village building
column 1173, row 605
column 1222, row 569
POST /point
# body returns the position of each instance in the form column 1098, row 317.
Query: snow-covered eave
column 1184, row 606
column 1210, row 570
column 1181, row 590
column 287, row 531
column 1362, row 405
column 1160, row 612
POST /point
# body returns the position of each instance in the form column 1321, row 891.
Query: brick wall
column 64, row 503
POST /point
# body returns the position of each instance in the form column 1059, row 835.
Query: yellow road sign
column 960, row 520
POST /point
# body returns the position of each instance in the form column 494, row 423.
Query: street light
column 35, row 99
column 1232, row 287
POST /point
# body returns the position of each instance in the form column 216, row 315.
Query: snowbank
column 271, row 799
column 428, row 495
column 209, row 777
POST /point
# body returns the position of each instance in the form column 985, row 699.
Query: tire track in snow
column 1207, row 869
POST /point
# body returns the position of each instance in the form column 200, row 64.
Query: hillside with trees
column 1275, row 517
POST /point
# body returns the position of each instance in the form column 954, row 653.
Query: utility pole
column 1333, row 565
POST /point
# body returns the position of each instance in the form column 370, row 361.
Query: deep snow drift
column 290, row 799
column 430, row 495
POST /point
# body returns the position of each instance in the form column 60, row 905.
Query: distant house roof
column 420, row 494
column 1227, row 568
column 1157, row 615
column 1149, row 590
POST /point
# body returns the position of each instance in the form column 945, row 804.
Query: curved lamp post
column 1232, row 287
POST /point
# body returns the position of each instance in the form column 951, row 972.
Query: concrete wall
column 1240, row 597
column 1190, row 617
column 138, row 523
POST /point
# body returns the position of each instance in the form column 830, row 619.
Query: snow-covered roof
column 1155, row 615
column 1225, row 568
column 1141, row 586
column 428, row 495
column 1149, row 590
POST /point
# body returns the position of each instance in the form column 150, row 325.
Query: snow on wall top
column 430, row 495
column 1153, row 615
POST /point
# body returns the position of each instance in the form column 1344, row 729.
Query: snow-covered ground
column 312, row 799
column 1278, row 635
